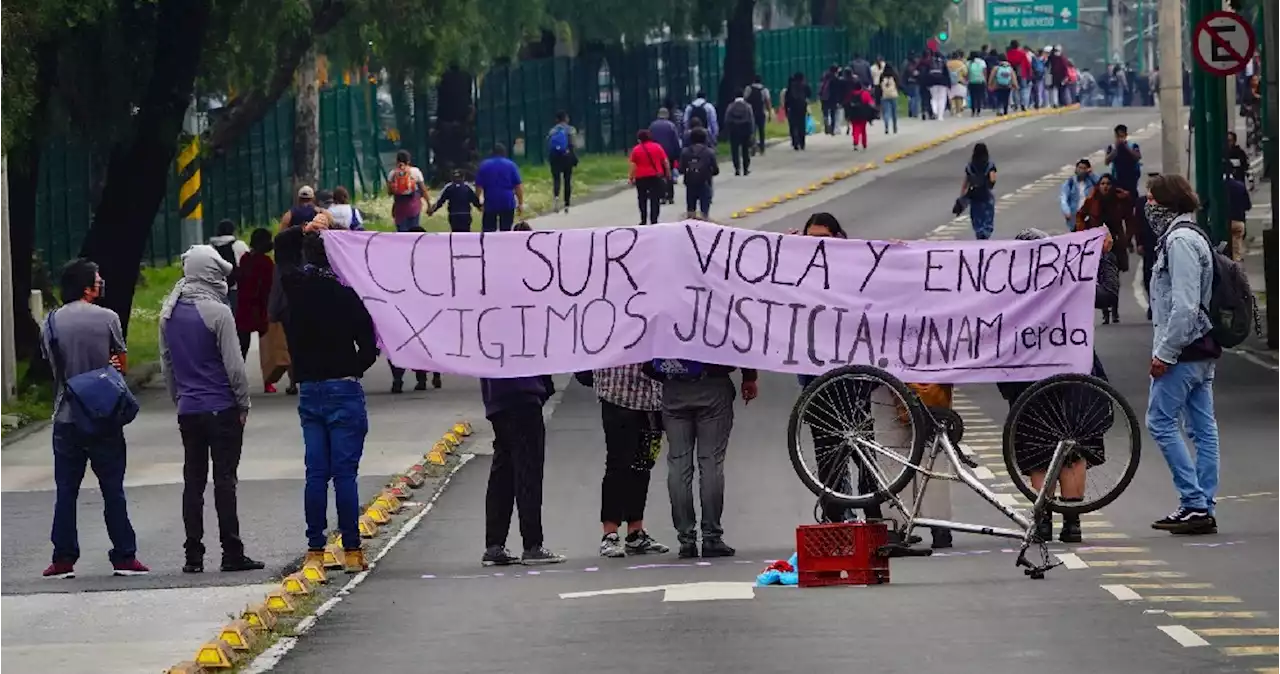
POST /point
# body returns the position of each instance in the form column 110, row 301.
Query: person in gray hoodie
column 204, row 372
column 740, row 123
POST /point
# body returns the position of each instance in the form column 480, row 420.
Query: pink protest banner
column 524, row 303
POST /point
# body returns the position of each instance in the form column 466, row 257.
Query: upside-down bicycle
column 1069, row 421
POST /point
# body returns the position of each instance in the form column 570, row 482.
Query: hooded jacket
column 713, row 124
column 199, row 347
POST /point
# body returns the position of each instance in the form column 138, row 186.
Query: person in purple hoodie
column 204, row 372
column 514, row 407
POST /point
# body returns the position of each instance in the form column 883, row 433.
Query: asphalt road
column 429, row 606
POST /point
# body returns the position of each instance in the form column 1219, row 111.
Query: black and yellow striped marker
column 189, row 205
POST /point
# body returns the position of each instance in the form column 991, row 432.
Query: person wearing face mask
column 1075, row 190
column 1112, row 207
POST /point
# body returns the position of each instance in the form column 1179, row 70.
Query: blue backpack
column 1037, row 67
column 558, row 143
column 1004, row 76
column 100, row 399
column 677, row 368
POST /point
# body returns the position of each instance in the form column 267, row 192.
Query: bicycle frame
column 941, row 444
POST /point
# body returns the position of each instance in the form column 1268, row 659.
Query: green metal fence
column 608, row 94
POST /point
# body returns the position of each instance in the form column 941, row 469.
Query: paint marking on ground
column 1215, row 615
column 1101, row 535
column 1110, row 563
column 1096, row 524
column 1245, row 651
column 1170, row 586
column 984, row 473
column 1112, row 550
column 709, row 591
column 1145, row 574
column 1071, row 561
column 1194, row 599
column 1122, row 592
column 1009, row 500
column 1238, row 632
column 614, row 591
column 1185, row 637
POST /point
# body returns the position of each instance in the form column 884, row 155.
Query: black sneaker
column 193, row 566
column 941, row 538
column 717, row 548
column 540, row 556
column 1185, row 521
column 435, row 377
column 243, row 563
column 497, row 555
column 421, row 385
column 1211, row 527
column 397, row 387
column 641, row 543
column 688, row 551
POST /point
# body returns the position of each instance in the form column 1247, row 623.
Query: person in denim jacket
column 1182, row 355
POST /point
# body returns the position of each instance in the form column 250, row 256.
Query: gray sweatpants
column 698, row 416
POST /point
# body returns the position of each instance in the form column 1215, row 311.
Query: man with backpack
column 698, row 162
column 795, row 101
column 231, row 249
column 830, row 99
column 741, row 126
column 408, row 189
column 1200, row 304
column 82, row 338
column 702, row 110
column 562, row 158
column 757, row 96
column 939, row 81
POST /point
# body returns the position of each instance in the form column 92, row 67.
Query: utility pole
column 8, row 352
column 1271, row 265
column 1115, row 32
column 1170, row 90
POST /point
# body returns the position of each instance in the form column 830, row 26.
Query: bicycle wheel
column 853, row 435
column 1084, row 409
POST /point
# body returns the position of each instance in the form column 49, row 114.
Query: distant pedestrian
column 562, row 155
column 829, row 97
column 740, row 125
column 795, row 102
column 1125, row 159
column 700, row 170
column 458, row 198
column 256, row 275
column 81, row 337
column 861, row 109
column 650, row 169
column 420, row 376
column 939, row 83
column 408, row 190
column 676, row 114
column 631, row 412
column 205, row 375
column 666, row 134
column 303, row 211
column 232, row 250
column 332, row 342
column 1111, row 207
column 889, row 93
column 501, row 189
column 342, row 213
column 1183, row 355
column 911, row 83
column 702, row 110
column 687, row 138
column 1004, row 82
column 1238, row 206
column 273, row 348
column 979, row 180
column 697, row 413
column 757, row 96
column 977, row 79
column 1075, row 190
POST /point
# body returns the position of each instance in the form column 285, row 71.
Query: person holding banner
column 697, row 413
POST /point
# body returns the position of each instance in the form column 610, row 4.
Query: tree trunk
column 739, row 53
column 823, row 12
column 453, row 139
column 138, row 171
column 306, row 125
column 400, row 103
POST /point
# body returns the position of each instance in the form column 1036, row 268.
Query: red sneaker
column 130, row 568
column 60, row 570
column 269, row 388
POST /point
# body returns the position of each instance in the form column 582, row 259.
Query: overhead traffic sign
column 1224, row 43
column 1020, row 16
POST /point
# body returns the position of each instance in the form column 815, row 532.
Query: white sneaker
column 611, row 546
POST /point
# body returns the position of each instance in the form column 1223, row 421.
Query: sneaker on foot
column 291, row 389
column 539, row 556
column 688, row 550
column 1184, row 520
column 130, row 567
column 435, row 377
column 1211, row 527
column 397, row 387
column 420, row 386
column 496, row 555
column 60, row 571
column 193, row 566
column 269, row 388
column 641, row 543
column 245, row 563
column 717, row 548
column 611, row 546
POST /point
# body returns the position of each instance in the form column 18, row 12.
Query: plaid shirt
column 627, row 386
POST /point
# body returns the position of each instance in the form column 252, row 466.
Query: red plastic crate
column 841, row 554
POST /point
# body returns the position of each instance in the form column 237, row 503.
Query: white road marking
column 983, row 473
column 1010, row 500
column 1122, row 592
column 709, row 591
column 614, row 591
column 1185, row 637
column 1072, row 561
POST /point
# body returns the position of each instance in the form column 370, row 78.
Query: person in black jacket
column 460, row 198
column 795, row 100
column 332, row 343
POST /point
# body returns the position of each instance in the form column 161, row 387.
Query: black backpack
column 1232, row 309
column 228, row 253
column 695, row 169
column 755, row 98
column 698, row 112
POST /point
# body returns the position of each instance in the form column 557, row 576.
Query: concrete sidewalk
column 111, row 624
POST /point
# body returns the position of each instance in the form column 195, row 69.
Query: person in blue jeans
column 86, row 337
column 1183, row 355
column 500, row 186
column 979, row 179
column 332, row 343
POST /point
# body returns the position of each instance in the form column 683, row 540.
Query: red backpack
column 402, row 182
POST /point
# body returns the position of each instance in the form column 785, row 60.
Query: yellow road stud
column 435, row 458
column 259, row 617
column 466, row 428
column 452, row 439
column 387, row 501
column 333, row 556
column 215, row 655
column 238, row 634
column 296, row 584
column 315, row 573
column 278, row 601
column 749, row 209
column 378, row 515
column 368, row 528
column 460, row 429
column 735, row 215
column 815, row 187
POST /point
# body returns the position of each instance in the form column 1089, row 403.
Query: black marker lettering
column 610, row 259
column 413, row 267
column 819, row 261
column 613, row 322
column 929, row 266
column 791, row 334
column 777, row 261
column 693, row 326
column 551, row 272
column 644, row 320
column 501, row 355
column 704, row 262
column 742, row 252
column 813, row 328
column 524, row 331
column 454, row 257
column 571, row 316
column 591, row 260
column 746, row 322
column 877, row 256
column 368, row 266
column 462, row 333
